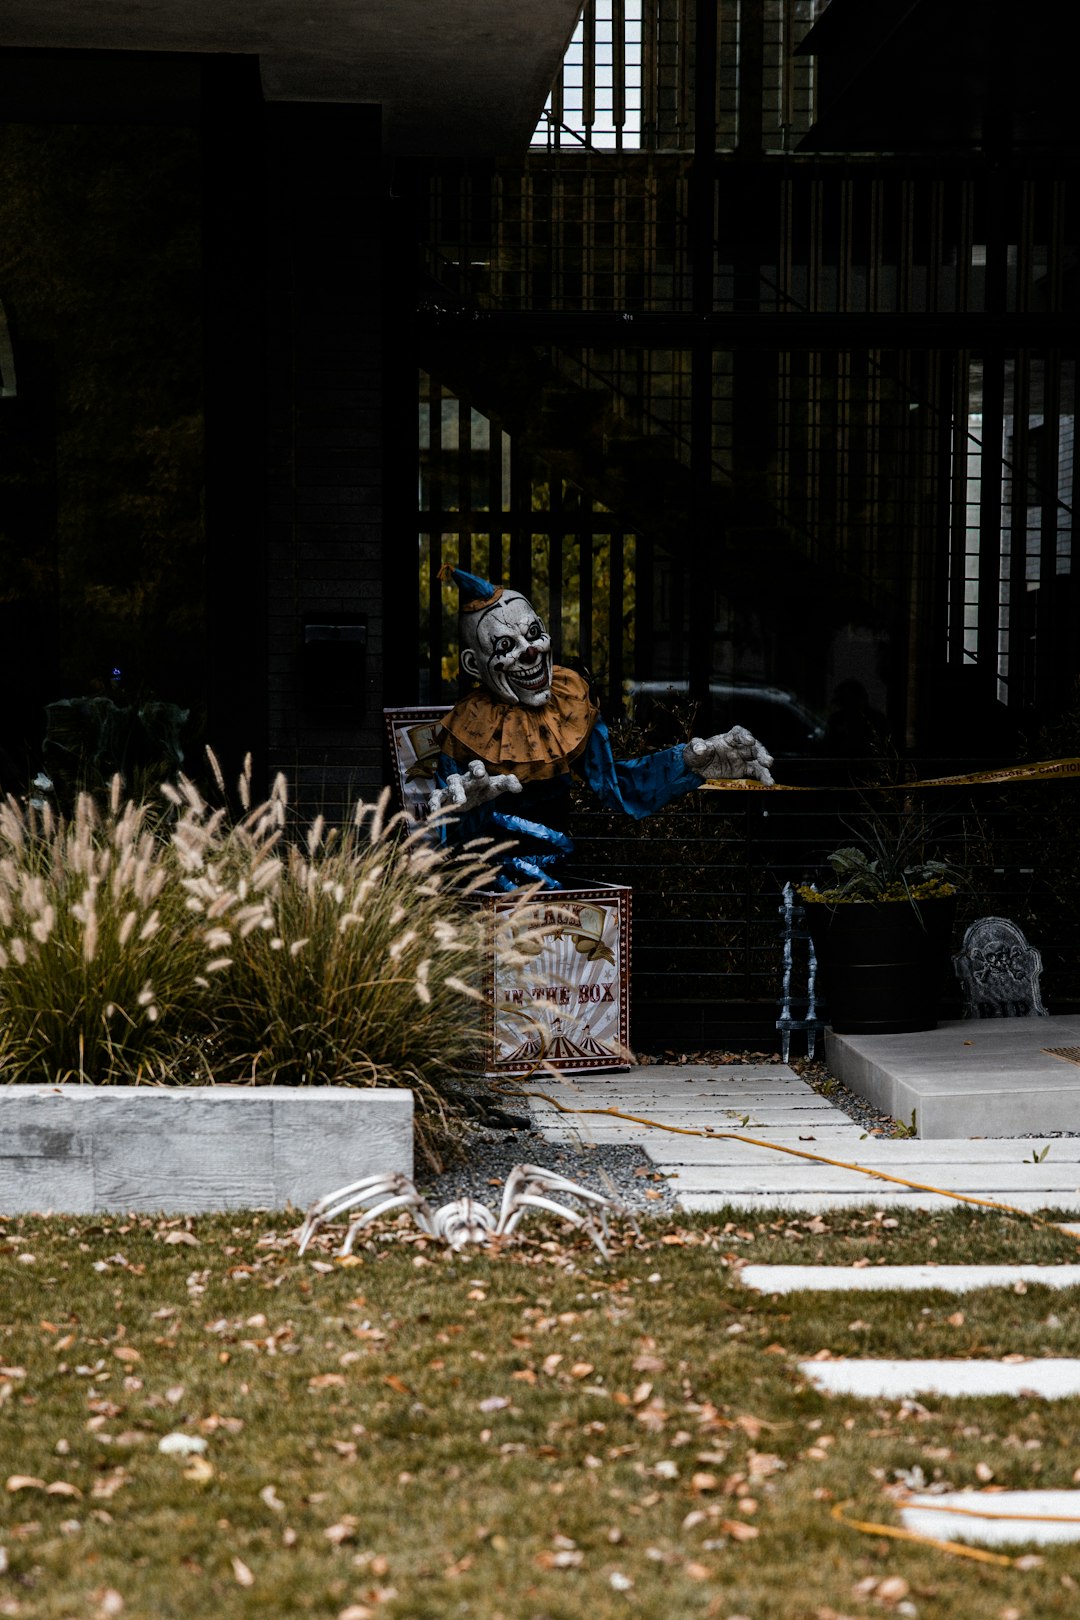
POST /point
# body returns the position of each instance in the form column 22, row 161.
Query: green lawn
column 529, row 1434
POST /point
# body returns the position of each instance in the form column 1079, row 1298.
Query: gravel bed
column 624, row 1173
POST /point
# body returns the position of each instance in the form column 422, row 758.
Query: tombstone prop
column 999, row 971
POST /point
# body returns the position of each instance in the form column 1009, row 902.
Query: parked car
column 777, row 717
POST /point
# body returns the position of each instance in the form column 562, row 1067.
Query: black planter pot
column 881, row 963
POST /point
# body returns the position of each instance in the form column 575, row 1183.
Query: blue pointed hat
column 477, row 593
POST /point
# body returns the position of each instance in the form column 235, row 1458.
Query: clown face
column 506, row 646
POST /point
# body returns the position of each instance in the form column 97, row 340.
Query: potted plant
column 881, row 928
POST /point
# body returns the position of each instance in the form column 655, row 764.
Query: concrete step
column 989, row 1075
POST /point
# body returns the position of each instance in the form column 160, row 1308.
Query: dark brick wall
column 324, row 384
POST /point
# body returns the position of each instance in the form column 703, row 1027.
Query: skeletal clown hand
column 727, row 757
column 474, row 786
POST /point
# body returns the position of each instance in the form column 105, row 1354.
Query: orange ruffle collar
column 536, row 744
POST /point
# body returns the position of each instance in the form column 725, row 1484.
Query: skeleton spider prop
column 465, row 1220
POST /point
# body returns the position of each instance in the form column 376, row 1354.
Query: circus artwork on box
column 559, row 981
column 414, row 749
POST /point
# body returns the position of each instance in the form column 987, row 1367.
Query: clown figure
column 510, row 748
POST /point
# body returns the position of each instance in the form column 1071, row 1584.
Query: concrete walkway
column 976, row 1076
column 772, row 1104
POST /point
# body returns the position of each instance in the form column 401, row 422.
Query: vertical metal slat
column 588, row 51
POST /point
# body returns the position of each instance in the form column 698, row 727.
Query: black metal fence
column 708, row 875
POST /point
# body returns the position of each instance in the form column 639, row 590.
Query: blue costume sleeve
column 639, row 787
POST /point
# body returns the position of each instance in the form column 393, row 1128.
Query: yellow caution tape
column 1040, row 770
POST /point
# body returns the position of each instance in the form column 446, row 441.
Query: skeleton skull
column 505, row 645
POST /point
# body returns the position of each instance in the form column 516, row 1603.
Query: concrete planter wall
column 85, row 1149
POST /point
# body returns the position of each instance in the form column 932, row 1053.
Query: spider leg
column 406, row 1200
column 551, row 1181
column 332, row 1203
column 583, row 1223
column 396, row 1185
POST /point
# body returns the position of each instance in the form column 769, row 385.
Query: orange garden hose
column 959, row 1549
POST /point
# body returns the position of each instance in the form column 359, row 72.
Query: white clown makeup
column 506, row 646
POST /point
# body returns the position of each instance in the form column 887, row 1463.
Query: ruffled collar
column 535, row 744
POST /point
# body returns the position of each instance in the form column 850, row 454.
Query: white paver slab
column 906, row 1380
column 807, row 1116
column 880, row 1195
column 1009, row 1517
column 901, row 1158
column 952, row 1279
column 998, row 1182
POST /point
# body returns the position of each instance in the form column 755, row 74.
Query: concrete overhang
column 452, row 76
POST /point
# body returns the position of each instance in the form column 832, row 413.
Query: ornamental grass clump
column 101, row 973
column 190, row 947
column 347, row 958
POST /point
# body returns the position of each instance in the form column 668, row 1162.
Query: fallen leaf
column 563, row 1558
column 110, row 1483
column 182, row 1237
column 242, row 1573
column 24, row 1482
column 396, row 1383
column 357, row 1611
column 109, row 1601
column 126, row 1353
column 199, row 1470
column 494, row 1403
column 581, row 1369
column 269, row 1495
column 737, row 1530
column 61, row 1487
column 326, row 1381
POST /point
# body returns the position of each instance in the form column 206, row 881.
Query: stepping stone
column 787, row 1174
column 924, row 1515
column 951, row 1279
column 918, row 1160
column 965, row 1380
column 874, row 1195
